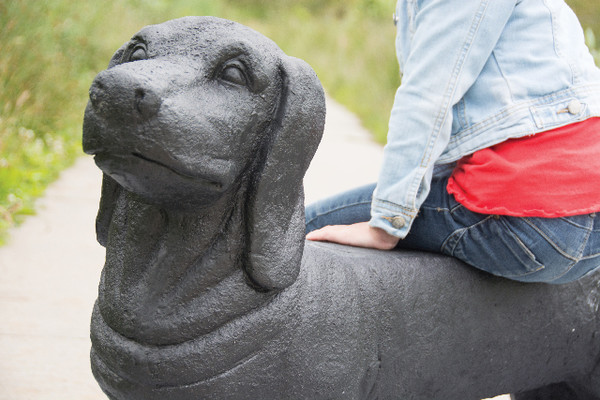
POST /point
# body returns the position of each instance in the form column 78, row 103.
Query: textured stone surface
column 204, row 130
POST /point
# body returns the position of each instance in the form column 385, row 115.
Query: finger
column 322, row 234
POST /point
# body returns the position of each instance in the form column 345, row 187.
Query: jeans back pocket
column 490, row 245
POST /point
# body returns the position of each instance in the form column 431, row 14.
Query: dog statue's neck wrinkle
column 168, row 273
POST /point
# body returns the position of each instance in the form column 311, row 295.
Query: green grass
column 50, row 50
column 588, row 12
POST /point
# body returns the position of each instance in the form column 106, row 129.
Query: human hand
column 359, row 235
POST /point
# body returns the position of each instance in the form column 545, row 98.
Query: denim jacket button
column 574, row 107
column 398, row 222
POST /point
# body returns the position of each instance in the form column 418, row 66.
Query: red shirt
column 551, row 174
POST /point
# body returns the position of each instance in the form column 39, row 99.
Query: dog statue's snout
column 115, row 93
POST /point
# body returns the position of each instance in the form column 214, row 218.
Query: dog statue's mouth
column 114, row 164
column 184, row 174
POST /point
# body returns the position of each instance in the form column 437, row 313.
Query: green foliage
column 49, row 53
column 588, row 12
column 590, row 39
column 350, row 47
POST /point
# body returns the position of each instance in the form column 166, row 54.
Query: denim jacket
column 475, row 73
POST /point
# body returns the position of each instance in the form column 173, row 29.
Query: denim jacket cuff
column 395, row 223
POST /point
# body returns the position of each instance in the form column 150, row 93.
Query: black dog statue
column 204, row 130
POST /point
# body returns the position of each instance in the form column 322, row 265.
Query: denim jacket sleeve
column 442, row 46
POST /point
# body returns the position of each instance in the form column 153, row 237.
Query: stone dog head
column 190, row 111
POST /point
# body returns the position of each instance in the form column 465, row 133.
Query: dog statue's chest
column 163, row 276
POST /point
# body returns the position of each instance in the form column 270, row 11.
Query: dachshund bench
column 203, row 129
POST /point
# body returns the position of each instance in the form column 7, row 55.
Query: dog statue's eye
column 234, row 74
column 138, row 53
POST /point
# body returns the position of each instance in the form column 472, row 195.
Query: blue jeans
column 526, row 249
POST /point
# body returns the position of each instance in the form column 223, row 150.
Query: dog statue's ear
column 110, row 192
column 276, row 224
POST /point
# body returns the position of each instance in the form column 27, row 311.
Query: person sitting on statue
column 493, row 148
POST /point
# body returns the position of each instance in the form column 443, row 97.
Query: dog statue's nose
column 147, row 102
column 116, row 93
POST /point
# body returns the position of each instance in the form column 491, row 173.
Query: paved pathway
column 49, row 276
column 50, row 268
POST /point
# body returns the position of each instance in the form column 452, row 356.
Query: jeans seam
column 580, row 252
column 455, row 208
column 584, row 243
column 589, row 257
column 438, row 209
column 552, row 243
column 567, row 270
column 568, row 221
column 526, row 249
column 337, row 209
column 450, row 209
column 462, row 232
